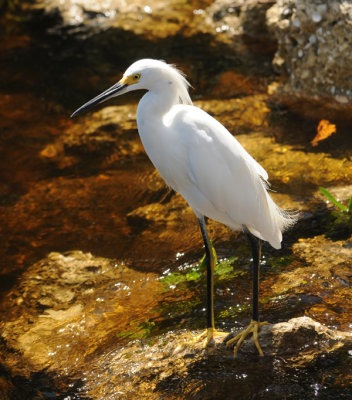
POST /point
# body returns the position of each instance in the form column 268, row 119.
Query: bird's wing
column 227, row 182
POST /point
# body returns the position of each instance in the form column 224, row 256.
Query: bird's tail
column 274, row 219
column 286, row 218
column 281, row 221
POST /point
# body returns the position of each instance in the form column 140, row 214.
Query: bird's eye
column 136, row 77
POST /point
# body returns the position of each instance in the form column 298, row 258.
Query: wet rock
column 101, row 322
column 325, row 271
column 57, row 280
column 298, row 340
column 23, row 120
column 97, row 327
column 343, row 273
column 163, row 369
column 238, row 115
column 79, row 337
column 168, row 215
column 105, row 137
column 62, row 298
column 174, row 217
column 64, row 213
column 313, row 38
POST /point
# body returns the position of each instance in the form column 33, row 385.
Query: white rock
column 322, row 9
column 296, row 22
column 316, row 17
column 312, row 39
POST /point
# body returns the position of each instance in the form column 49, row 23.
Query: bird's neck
column 157, row 102
column 151, row 113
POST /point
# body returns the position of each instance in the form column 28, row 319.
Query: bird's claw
column 253, row 328
column 207, row 337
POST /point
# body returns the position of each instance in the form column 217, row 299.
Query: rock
column 161, row 19
column 238, row 115
column 164, row 369
column 340, row 193
column 58, row 280
column 299, row 340
column 63, row 297
column 94, row 300
column 313, row 38
column 157, row 20
column 239, row 18
column 105, row 137
column 325, row 272
column 171, row 218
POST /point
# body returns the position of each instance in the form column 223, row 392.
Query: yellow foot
column 253, row 327
column 206, row 337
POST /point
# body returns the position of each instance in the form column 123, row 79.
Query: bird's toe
column 253, row 328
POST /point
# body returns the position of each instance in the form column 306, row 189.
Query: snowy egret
column 200, row 159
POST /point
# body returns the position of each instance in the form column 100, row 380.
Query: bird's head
column 144, row 74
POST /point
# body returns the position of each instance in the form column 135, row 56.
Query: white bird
column 200, row 159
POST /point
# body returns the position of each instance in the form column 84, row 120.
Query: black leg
column 256, row 250
column 254, row 325
column 210, row 272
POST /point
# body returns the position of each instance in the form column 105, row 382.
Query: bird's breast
column 165, row 152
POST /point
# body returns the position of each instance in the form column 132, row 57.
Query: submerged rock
column 89, row 321
column 320, row 283
column 67, row 305
column 106, row 137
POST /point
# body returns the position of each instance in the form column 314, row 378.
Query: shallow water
column 87, row 185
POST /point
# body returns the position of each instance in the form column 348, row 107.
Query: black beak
column 107, row 94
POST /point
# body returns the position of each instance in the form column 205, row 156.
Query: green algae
column 278, row 262
column 224, row 270
column 141, row 330
column 338, row 225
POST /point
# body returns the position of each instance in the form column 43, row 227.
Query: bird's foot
column 253, row 327
column 206, row 338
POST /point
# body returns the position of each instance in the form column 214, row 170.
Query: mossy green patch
column 277, row 263
column 194, row 273
column 140, row 330
column 337, row 225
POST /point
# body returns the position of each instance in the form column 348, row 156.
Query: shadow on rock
column 37, row 385
column 294, row 352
